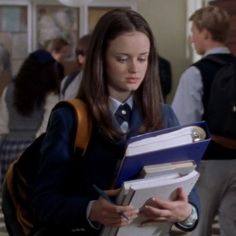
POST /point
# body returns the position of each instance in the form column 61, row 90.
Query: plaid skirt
column 10, row 150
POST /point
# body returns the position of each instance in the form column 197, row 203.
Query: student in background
column 70, row 84
column 25, row 106
column 60, row 50
column 120, row 77
column 210, row 27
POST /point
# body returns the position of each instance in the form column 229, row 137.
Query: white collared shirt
column 187, row 103
column 114, row 104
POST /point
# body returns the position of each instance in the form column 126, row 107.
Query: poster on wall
column 57, row 21
column 14, row 35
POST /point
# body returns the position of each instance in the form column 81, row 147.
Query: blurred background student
column 25, row 106
column 60, row 51
column 71, row 83
column 216, row 186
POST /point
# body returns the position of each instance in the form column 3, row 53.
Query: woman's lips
column 132, row 80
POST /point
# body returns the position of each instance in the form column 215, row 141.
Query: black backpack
column 21, row 175
column 220, row 94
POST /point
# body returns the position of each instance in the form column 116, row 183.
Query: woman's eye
column 142, row 59
column 121, row 59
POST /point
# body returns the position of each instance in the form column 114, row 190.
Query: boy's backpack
column 21, row 175
column 220, row 95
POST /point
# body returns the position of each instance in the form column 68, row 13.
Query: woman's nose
column 132, row 67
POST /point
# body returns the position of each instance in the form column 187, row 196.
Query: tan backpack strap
column 84, row 123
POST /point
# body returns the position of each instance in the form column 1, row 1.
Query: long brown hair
column 93, row 88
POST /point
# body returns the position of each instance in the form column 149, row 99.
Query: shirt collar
column 114, row 103
column 220, row 50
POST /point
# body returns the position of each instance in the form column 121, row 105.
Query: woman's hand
column 174, row 211
column 109, row 214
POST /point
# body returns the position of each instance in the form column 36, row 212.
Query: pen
column 105, row 196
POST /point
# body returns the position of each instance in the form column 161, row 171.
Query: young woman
column 121, row 68
column 25, row 106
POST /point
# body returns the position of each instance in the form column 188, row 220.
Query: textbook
column 179, row 168
column 158, row 172
column 158, row 180
column 179, row 143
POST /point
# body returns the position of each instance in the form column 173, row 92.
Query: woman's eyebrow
column 128, row 54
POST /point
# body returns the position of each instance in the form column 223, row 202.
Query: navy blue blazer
column 64, row 184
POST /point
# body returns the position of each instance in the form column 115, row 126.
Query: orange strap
column 84, row 124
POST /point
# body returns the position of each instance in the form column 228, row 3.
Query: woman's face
column 126, row 63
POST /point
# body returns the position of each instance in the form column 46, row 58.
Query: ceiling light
column 75, row 3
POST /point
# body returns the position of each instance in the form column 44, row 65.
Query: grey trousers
column 217, row 191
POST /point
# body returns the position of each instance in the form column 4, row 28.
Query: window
column 57, row 21
column 26, row 25
column 14, row 34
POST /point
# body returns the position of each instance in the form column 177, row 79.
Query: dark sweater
column 208, row 70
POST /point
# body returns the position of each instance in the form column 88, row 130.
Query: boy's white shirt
column 188, row 106
column 73, row 88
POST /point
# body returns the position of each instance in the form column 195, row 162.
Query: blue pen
column 105, row 196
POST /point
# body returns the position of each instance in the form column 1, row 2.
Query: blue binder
column 131, row 166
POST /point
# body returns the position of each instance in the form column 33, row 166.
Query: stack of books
column 168, row 145
column 156, row 165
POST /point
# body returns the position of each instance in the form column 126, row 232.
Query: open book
column 187, row 142
column 158, row 181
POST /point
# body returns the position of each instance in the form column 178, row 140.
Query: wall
column 168, row 22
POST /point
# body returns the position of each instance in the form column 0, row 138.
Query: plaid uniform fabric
column 9, row 151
